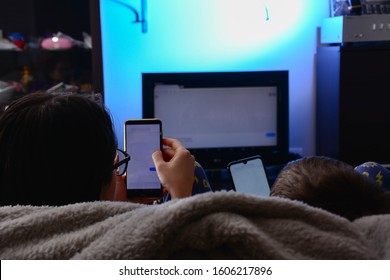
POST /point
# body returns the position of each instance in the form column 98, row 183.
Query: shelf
column 48, row 67
column 40, row 18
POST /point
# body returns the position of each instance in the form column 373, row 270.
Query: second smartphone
column 142, row 138
column 249, row 176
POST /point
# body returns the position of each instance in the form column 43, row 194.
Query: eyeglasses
column 121, row 166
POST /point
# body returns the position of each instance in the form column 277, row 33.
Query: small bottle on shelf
column 26, row 79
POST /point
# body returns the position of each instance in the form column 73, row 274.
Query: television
column 222, row 116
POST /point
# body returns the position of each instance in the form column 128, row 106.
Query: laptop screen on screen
column 218, row 117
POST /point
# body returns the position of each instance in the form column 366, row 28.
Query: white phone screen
column 249, row 177
column 142, row 140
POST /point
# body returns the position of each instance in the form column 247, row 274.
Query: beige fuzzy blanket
column 221, row 225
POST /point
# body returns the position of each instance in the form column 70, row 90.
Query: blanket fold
column 220, row 225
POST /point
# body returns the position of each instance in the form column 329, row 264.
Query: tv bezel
column 219, row 157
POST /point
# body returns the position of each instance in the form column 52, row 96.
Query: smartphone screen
column 142, row 138
column 249, row 176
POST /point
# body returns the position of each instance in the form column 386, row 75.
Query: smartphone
column 142, row 138
column 249, row 176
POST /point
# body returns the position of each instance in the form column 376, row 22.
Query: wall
column 213, row 35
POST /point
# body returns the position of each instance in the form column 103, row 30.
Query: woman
column 60, row 149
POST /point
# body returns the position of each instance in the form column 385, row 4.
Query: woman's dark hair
column 55, row 150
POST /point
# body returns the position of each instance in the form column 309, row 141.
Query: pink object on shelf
column 56, row 43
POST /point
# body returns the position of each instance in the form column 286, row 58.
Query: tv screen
column 221, row 116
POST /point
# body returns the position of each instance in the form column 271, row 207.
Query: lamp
column 138, row 19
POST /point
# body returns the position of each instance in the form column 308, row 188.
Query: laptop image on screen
column 218, row 117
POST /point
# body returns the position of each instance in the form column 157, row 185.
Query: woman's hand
column 175, row 167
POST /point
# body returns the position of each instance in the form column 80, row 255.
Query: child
column 331, row 185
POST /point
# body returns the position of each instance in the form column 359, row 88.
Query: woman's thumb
column 157, row 157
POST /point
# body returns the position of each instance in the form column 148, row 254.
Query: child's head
column 331, row 185
column 55, row 150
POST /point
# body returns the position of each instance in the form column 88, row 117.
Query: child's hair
column 55, row 150
column 332, row 185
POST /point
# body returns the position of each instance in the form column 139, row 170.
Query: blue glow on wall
column 211, row 35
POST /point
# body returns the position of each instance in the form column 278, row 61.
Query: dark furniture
column 353, row 103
